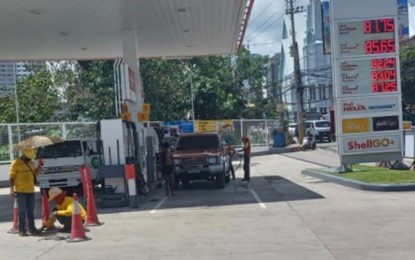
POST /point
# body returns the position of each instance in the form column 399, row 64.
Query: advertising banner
column 403, row 20
column 369, row 105
column 214, row 126
column 385, row 123
column 325, row 12
column 371, row 144
column 356, row 125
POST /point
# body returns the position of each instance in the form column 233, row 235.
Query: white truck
column 62, row 163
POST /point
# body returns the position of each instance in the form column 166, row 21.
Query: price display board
column 366, row 37
column 384, row 75
column 368, row 76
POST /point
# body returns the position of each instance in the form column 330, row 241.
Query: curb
column 285, row 150
column 358, row 184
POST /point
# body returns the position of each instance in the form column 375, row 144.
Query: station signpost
column 366, row 77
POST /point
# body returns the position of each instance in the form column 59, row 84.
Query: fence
column 9, row 134
column 258, row 130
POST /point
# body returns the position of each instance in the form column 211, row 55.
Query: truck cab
column 62, row 163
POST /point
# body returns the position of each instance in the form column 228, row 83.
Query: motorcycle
column 309, row 142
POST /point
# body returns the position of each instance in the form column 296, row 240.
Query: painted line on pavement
column 258, row 199
column 158, row 205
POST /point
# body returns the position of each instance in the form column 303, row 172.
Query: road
column 283, row 215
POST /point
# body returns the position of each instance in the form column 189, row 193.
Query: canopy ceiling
column 91, row 29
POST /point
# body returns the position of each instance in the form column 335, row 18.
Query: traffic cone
column 77, row 229
column 91, row 210
column 46, row 223
column 15, row 228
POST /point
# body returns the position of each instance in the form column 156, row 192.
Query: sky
column 264, row 29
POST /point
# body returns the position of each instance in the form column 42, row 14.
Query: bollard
column 131, row 182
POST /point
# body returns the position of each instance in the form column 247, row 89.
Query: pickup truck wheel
column 220, row 180
column 176, row 182
column 185, row 181
column 228, row 177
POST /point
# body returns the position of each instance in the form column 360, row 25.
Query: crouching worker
column 63, row 210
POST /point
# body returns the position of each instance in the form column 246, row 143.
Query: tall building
column 10, row 71
column 317, row 77
column 273, row 76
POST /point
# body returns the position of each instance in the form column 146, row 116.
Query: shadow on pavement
column 269, row 189
column 198, row 194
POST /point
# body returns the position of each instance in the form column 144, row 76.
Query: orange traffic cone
column 77, row 230
column 91, row 210
column 46, row 223
column 15, row 228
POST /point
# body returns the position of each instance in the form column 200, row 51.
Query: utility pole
column 297, row 74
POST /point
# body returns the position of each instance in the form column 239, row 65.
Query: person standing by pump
column 167, row 168
column 246, row 149
column 22, row 176
column 230, row 151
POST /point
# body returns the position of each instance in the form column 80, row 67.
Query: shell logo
column 369, row 144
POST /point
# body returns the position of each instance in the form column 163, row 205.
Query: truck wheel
column 176, row 182
column 220, row 180
column 228, row 178
column 185, row 181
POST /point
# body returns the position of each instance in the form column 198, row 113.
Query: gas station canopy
column 93, row 29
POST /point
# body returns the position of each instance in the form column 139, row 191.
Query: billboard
column 325, row 13
column 369, row 105
column 371, row 144
column 403, row 20
column 365, row 49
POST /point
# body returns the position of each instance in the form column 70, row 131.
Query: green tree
column 166, row 88
column 252, row 69
column 408, row 76
column 37, row 96
column 90, row 94
column 217, row 87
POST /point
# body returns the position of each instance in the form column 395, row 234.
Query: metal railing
column 9, row 134
column 260, row 132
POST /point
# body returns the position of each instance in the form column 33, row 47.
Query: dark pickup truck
column 201, row 156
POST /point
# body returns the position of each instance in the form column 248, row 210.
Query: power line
column 279, row 13
column 260, row 13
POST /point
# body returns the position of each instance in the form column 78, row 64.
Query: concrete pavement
column 283, row 215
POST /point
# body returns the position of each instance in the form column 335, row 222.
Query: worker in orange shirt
column 246, row 148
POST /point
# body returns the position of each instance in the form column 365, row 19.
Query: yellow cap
column 29, row 153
